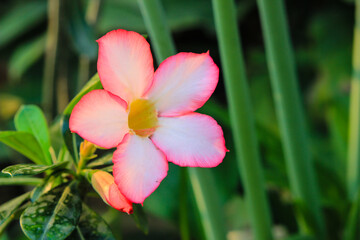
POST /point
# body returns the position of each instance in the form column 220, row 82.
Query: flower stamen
column 142, row 119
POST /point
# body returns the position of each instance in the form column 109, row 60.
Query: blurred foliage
column 322, row 38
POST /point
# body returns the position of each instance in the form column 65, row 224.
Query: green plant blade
column 54, row 215
column 19, row 19
column 31, row 119
column 25, row 143
column 4, row 181
column 81, row 34
column 25, row 56
column 92, row 84
column 30, row 169
column 140, row 218
column 104, row 160
column 8, row 208
column 91, row 226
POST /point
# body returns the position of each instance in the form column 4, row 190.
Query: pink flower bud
column 105, row 186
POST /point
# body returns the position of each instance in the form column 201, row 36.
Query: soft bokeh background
column 322, row 33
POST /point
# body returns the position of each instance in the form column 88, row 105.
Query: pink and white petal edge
column 139, row 167
column 192, row 140
column 100, row 117
column 183, row 83
column 125, row 64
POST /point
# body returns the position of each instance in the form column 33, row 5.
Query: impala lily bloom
column 149, row 116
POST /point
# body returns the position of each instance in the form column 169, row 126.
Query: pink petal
column 192, row 140
column 104, row 185
column 183, row 83
column 125, row 64
column 100, row 117
column 139, row 167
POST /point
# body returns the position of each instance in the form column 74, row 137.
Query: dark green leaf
column 72, row 140
column 25, row 56
column 80, row 33
column 19, row 19
column 91, row 226
column 104, row 160
column 30, row 169
column 31, row 119
column 54, row 215
column 25, row 143
column 140, row 218
column 8, row 208
column 92, row 84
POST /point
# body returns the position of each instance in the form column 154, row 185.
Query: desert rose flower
column 149, row 117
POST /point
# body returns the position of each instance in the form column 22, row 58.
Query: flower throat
column 142, row 119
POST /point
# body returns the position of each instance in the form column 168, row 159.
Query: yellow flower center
column 142, row 119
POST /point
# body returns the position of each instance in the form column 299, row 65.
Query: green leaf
column 4, row 181
column 25, row 56
column 104, row 160
column 71, row 140
column 31, row 119
column 54, row 215
column 91, row 226
column 25, row 143
column 92, row 84
column 140, row 218
column 30, row 169
column 80, row 33
column 8, row 208
column 20, row 19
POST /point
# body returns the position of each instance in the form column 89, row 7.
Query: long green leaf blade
column 8, row 208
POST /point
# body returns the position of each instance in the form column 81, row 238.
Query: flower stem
column 241, row 116
column 353, row 166
column 205, row 193
column 20, row 181
column 50, row 56
column 183, row 208
column 155, row 21
column 300, row 168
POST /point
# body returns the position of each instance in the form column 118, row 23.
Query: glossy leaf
column 92, row 84
column 91, row 226
column 72, row 140
column 140, row 218
column 25, row 143
column 30, row 169
column 31, row 119
column 54, row 215
column 8, row 208
column 20, row 19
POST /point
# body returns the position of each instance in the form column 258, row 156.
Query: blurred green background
column 322, row 35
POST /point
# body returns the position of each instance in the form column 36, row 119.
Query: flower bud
column 105, row 186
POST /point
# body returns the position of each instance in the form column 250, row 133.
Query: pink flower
column 105, row 186
column 149, row 116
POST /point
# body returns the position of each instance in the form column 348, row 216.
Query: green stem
column 300, row 167
column 183, row 208
column 205, row 193
column 237, row 91
column 208, row 203
column 353, row 166
column 20, row 181
column 155, row 21
column 92, row 13
column 50, row 56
